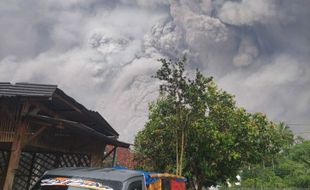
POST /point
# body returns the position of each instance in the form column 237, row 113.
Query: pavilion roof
column 56, row 106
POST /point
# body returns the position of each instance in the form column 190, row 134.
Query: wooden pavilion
column 43, row 128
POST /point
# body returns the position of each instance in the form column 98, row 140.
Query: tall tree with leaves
column 174, row 88
column 196, row 129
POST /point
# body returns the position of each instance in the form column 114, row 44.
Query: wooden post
column 114, row 157
column 16, row 151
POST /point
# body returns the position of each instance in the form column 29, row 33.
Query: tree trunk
column 177, row 153
column 182, row 153
column 177, row 146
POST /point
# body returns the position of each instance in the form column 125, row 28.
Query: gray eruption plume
column 104, row 53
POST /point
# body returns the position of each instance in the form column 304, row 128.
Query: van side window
column 136, row 185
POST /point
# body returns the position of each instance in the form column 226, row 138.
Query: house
column 42, row 128
column 124, row 157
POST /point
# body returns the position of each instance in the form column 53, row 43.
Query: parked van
column 91, row 179
column 107, row 179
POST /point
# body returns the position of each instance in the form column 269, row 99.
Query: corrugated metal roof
column 59, row 102
column 26, row 89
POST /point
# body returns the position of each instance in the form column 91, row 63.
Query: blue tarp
column 148, row 178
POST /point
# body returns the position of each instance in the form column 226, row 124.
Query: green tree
column 196, row 129
column 291, row 168
column 153, row 152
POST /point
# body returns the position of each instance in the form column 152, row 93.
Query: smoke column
column 103, row 53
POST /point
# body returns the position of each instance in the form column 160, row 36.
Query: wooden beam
column 68, row 103
column 114, row 157
column 108, row 154
column 15, row 154
column 36, row 134
column 45, row 109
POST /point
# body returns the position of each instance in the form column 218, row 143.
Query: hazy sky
column 103, row 53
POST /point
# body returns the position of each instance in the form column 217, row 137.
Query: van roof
column 96, row 173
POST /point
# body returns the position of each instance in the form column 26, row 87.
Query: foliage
column 153, row 151
column 291, row 168
column 197, row 128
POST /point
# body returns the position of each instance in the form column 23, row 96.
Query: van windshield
column 75, row 183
